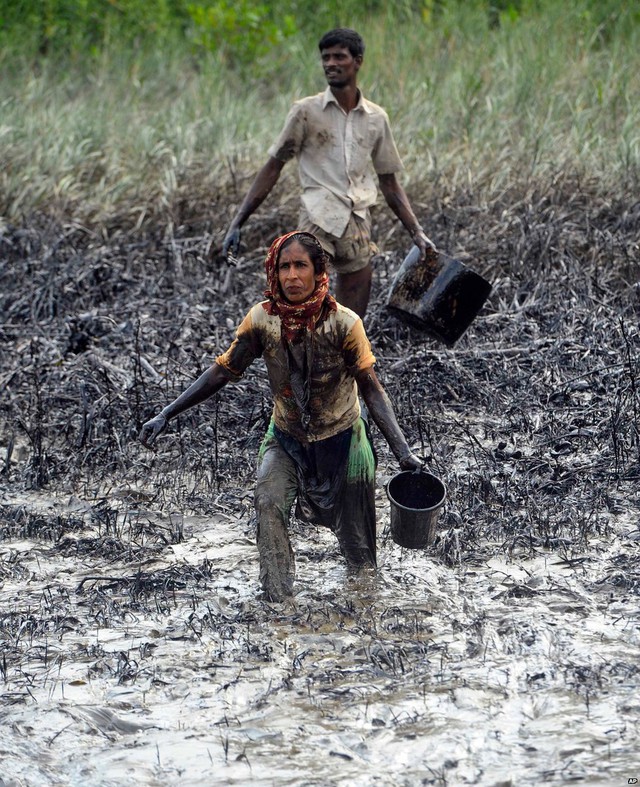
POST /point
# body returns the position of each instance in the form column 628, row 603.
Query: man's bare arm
column 398, row 201
column 262, row 184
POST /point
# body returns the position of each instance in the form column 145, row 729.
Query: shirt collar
column 329, row 98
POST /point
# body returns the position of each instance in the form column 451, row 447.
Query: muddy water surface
column 173, row 671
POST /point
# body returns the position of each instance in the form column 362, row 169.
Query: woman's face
column 296, row 274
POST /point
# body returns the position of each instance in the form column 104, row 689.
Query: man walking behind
column 339, row 139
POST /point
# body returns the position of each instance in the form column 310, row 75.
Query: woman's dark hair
column 343, row 36
column 313, row 248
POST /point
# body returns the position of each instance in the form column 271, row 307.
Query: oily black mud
column 129, row 578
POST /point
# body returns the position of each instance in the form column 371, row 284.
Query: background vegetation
column 133, row 112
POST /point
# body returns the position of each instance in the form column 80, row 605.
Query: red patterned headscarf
column 296, row 318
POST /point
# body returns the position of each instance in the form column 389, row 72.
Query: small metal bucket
column 416, row 499
column 439, row 295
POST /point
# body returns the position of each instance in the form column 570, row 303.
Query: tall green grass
column 137, row 133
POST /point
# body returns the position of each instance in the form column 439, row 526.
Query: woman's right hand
column 151, row 429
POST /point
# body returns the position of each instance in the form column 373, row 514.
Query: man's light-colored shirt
column 337, row 154
column 340, row 350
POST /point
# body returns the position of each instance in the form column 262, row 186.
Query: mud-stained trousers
column 350, row 514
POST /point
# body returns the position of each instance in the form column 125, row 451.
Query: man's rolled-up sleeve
column 384, row 156
column 289, row 143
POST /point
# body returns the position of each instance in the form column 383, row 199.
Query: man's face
column 340, row 66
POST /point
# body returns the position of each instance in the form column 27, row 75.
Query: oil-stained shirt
column 337, row 154
column 340, row 350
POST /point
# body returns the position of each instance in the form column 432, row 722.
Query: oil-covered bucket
column 439, row 295
column 416, row 499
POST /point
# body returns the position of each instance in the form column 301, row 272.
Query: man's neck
column 347, row 97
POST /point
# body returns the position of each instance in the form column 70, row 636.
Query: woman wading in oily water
column 316, row 452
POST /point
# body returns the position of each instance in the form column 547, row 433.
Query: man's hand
column 424, row 243
column 263, row 182
column 151, row 429
column 411, row 462
column 231, row 242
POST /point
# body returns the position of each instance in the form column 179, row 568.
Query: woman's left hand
column 411, row 462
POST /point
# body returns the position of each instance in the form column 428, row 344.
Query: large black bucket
column 416, row 499
column 439, row 295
